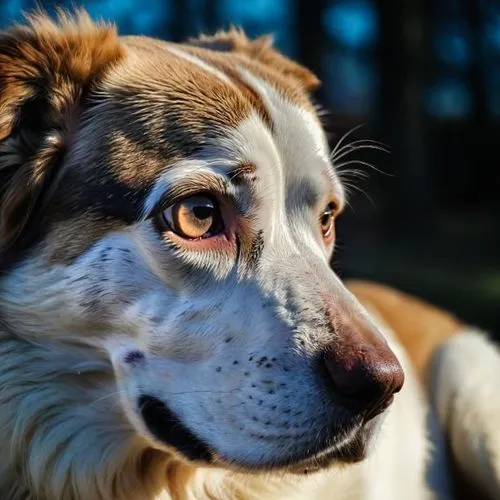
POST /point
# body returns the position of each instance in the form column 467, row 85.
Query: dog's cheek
column 83, row 298
column 47, row 302
column 173, row 328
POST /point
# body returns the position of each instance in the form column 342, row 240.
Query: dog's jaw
column 63, row 425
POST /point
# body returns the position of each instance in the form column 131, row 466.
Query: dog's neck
column 62, row 430
column 65, row 436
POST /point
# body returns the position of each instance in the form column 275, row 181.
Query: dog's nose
column 365, row 376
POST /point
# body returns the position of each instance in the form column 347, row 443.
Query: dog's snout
column 365, row 377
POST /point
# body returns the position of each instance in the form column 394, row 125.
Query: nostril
column 348, row 379
column 365, row 379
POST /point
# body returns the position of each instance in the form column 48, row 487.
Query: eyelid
column 204, row 184
column 338, row 205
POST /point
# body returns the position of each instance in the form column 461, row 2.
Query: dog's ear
column 261, row 49
column 46, row 67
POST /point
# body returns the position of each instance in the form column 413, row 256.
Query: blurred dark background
column 424, row 78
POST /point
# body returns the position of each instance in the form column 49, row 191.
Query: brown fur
column 420, row 327
column 52, row 62
column 260, row 50
column 73, row 237
column 45, row 69
column 51, row 69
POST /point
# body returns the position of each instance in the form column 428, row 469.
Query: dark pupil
column 326, row 218
column 203, row 211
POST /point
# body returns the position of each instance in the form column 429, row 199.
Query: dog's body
column 170, row 327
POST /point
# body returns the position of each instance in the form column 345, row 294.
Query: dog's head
column 171, row 208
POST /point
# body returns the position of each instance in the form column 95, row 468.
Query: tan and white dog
column 170, row 326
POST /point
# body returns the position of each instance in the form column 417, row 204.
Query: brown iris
column 326, row 220
column 193, row 218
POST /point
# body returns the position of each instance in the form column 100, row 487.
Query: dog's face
column 174, row 213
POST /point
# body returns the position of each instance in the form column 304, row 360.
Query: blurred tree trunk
column 178, row 25
column 402, row 57
column 210, row 17
column 474, row 18
column 311, row 35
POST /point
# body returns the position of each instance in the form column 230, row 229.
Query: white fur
column 465, row 382
column 297, row 133
column 408, row 459
column 176, row 51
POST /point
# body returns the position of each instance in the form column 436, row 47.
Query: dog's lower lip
column 351, row 453
column 378, row 410
column 165, row 426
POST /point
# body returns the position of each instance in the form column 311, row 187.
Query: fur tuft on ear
column 261, row 49
column 46, row 66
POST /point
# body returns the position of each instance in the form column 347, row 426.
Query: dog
column 170, row 325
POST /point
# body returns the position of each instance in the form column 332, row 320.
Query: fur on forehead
column 260, row 49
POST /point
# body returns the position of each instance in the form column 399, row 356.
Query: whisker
column 363, row 163
column 107, row 396
column 351, row 186
column 348, row 203
column 359, row 142
column 344, row 137
column 182, row 393
column 350, row 173
column 347, row 193
column 359, row 146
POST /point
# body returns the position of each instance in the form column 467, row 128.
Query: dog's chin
column 168, row 429
column 351, row 451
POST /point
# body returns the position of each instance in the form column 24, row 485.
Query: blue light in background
column 353, row 23
column 125, row 13
column 197, row 20
column 449, row 98
column 129, row 15
column 492, row 30
column 492, row 87
column 257, row 17
column 12, row 10
column 451, row 45
column 352, row 82
column 109, row 9
column 265, row 11
column 494, row 103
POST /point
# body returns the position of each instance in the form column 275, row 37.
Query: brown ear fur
column 260, row 49
column 46, row 67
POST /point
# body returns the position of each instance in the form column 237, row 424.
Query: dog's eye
column 326, row 220
column 193, row 218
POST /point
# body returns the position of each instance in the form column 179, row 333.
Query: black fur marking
column 165, row 426
column 256, row 249
column 134, row 357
